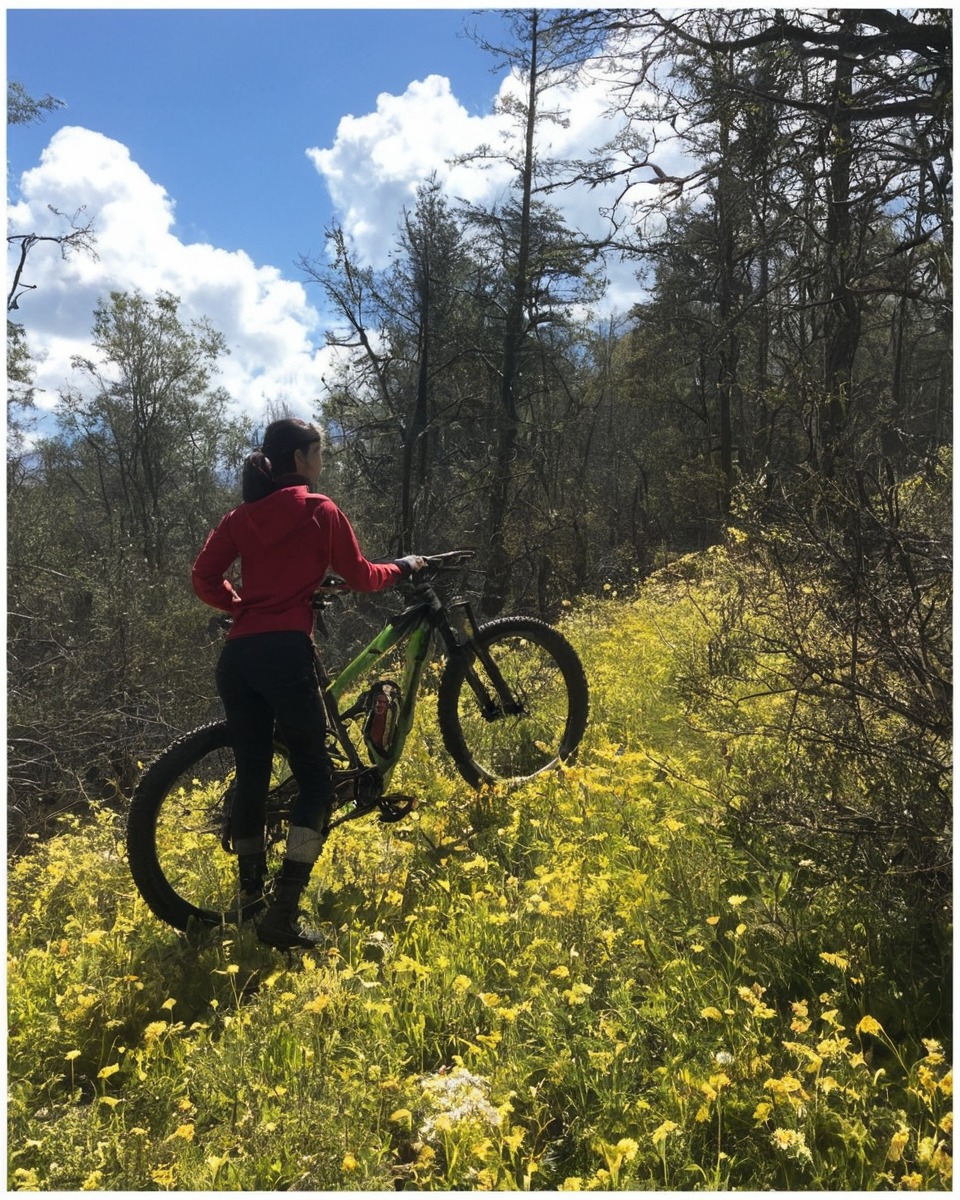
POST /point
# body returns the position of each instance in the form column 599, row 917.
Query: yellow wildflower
column 835, row 960
column 897, row 1145
column 833, row 1047
column 786, row 1086
column 577, row 994
column 869, row 1025
column 942, row 1163
column 660, row 1134
column 791, row 1142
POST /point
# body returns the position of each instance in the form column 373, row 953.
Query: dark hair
column 273, row 465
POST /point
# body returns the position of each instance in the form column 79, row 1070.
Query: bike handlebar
column 450, row 560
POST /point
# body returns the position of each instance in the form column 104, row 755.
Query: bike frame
column 415, row 625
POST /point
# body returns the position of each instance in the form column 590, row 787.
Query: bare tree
column 80, row 237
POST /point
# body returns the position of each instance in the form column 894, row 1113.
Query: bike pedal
column 395, row 808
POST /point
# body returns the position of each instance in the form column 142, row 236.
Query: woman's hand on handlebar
column 411, row 563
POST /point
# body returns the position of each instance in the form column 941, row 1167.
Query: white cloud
column 267, row 321
column 376, row 161
column 275, row 335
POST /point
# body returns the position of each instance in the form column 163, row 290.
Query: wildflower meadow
column 602, row 981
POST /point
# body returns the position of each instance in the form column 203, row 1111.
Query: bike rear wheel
column 177, row 828
column 512, row 728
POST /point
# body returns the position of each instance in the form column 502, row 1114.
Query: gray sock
column 304, row 844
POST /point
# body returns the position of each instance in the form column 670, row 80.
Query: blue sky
column 219, row 106
column 211, row 148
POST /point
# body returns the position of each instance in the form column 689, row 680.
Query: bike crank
column 392, row 808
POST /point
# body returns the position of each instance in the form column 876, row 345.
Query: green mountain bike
column 512, row 704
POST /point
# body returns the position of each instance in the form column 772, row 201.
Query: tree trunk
column 498, row 565
column 843, row 317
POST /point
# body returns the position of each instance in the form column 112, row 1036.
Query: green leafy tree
column 145, row 436
column 24, row 109
column 107, row 647
column 544, row 267
column 410, row 351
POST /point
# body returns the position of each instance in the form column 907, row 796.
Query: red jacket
column 286, row 543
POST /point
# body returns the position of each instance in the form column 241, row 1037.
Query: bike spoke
column 509, row 744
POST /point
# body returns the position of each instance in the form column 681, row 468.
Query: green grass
column 586, row 985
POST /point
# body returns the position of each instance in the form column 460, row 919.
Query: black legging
column 269, row 677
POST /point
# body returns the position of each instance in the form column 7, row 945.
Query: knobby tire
column 177, row 822
column 545, row 676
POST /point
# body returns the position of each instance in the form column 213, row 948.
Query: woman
column 286, row 537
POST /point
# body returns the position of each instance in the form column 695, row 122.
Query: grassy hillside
column 604, row 981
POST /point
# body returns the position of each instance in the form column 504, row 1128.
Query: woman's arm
column 214, row 560
column 347, row 560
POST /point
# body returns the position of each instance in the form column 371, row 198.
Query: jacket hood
column 280, row 515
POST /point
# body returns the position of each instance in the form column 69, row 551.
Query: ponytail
column 257, row 480
column 281, row 440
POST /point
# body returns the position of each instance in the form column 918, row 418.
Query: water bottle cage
column 382, row 710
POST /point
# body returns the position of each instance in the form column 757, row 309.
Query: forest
column 736, row 497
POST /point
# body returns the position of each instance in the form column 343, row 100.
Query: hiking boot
column 280, row 924
column 280, row 927
column 251, row 869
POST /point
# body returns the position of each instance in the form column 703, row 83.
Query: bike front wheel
column 178, row 828
column 515, row 704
